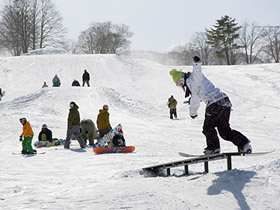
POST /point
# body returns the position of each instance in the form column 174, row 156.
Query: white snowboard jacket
column 201, row 89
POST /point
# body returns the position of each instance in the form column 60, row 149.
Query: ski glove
column 194, row 116
column 20, row 138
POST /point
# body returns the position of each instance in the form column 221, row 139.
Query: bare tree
column 272, row 46
column 26, row 24
column 104, row 38
column 203, row 49
column 250, row 38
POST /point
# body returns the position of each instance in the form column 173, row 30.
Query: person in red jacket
column 27, row 134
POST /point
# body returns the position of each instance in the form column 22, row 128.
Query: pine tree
column 222, row 37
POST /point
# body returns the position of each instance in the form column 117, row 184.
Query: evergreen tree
column 222, row 37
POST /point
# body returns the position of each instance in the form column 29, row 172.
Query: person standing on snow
column 172, row 103
column 86, row 78
column 27, row 134
column 73, row 126
column 218, row 108
column 103, row 123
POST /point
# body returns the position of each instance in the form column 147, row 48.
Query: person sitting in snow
column 76, row 83
column 56, row 81
column 27, row 135
column 103, row 122
column 1, row 94
column 118, row 140
column 172, row 103
column 218, row 108
column 45, row 85
column 89, row 131
column 45, row 134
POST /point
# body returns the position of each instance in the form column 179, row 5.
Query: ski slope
column 136, row 92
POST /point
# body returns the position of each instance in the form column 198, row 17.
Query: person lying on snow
column 27, row 134
column 45, row 134
column 218, row 108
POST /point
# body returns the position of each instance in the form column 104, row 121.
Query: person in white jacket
column 218, row 108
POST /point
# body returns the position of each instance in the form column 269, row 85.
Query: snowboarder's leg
column 90, row 137
column 68, row 137
column 83, row 83
column 175, row 113
column 87, row 82
column 171, row 114
column 24, row 147
column 84, row 133
column 228, row 134
column 44, row 137
column 210, row 133
column 28, row 145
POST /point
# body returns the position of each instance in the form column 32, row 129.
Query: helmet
column 23, row 119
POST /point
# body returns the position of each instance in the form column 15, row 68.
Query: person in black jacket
column 86, row 78
column 45, row 134
column 76, row 83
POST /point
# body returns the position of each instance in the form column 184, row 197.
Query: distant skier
column 89, row 131
column 76, row 83
column 86, row 78
column 172, row 103
column 218, row 108
column 45, row 85
column 56, row 81
column 103, row 123
column 45, row 134
column 27, row 135
column 73, row 126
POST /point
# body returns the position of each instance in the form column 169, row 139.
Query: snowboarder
column 86, row 78
column 27, row 134
column 89, row 131
column 56, row 81
column 218, row 108
column 73, row 126
column 103, row 123
column 76, row 83
column 118, row 140
column 45, row 134
column 45, row 85
column 172, row 103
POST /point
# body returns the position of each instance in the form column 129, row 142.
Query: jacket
column 172, row 103
column 201, row 89
column 56, row 80
column 103, row 120
column 86, row 76
column 47, row 132
column 73, row 116
column 27, row 130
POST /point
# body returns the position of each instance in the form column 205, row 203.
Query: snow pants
column 26, row 144
column 217, row 116
column 74, row 130
column 86, row 81
column 173, row 112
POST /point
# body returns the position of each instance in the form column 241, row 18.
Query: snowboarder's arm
column 194, row 105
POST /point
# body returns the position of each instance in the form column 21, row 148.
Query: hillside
column 136, row 92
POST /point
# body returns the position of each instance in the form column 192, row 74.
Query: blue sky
column 160, row 25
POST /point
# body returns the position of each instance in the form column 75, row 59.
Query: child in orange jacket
column 28, row 134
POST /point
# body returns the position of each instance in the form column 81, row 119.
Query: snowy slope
column 136, row 92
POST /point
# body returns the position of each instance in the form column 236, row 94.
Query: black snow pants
column 217, row 116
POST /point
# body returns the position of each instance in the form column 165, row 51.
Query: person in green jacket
column 172, row 103
column 103, row 123
column 89, row 131
column 73, row 126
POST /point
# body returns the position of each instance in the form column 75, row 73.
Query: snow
column 136, row 91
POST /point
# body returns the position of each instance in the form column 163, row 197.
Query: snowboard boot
column 211, row 151
column 247, row 148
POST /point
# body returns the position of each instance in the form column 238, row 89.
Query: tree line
column 27, row 25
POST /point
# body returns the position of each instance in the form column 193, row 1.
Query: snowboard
column 19, row 153
column 109, row 136
column 237, row 153
column 55, row 142
column 105, row 150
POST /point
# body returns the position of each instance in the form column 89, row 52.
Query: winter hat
column 196, row 59
column 44, row 126
column 105, row 107
column 23, row 119
column 176, row 75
